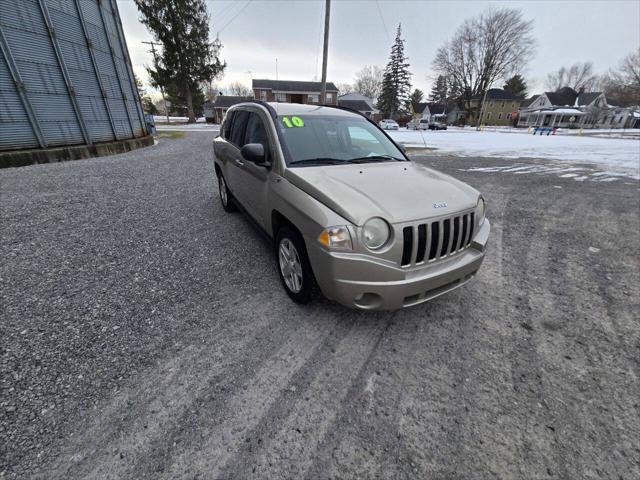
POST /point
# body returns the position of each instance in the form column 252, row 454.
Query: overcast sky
column 255, row 32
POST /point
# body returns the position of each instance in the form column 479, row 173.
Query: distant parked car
column 418, row 124
column 437, row 126
column 388, row 124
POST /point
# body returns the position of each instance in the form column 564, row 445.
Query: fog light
column 368, row 300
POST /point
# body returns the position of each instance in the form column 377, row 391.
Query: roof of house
column 563, row 96
column 226, row 101
column 437, row 108
column 499, row 94
column 292, row 85
column 586, row 98
column 420, row 107
column 359, row 105
column 529, row 101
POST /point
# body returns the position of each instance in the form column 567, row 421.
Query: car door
column 252, row 179
column 235, row 162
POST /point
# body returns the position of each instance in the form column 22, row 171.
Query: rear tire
column 293, row 265
column 226, row 198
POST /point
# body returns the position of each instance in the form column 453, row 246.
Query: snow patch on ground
column 188, row 127
column 579, row 174
column 621, row 156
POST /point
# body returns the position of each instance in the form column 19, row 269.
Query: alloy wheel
column 290, row 265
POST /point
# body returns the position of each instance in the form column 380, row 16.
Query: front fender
column 308, row 215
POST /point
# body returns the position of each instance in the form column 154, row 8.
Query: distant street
column 145, row 335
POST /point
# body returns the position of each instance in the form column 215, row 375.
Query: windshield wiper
column 376, row 158
column 319, row 161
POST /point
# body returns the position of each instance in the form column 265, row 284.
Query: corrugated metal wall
column 65, row 75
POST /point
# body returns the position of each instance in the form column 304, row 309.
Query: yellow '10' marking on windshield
column 293, row 122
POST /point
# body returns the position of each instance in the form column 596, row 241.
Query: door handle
column 240, row 163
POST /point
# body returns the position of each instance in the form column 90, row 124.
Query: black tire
column 305, row 292
column 226, row 198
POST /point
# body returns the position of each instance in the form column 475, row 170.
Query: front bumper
column 363, row 282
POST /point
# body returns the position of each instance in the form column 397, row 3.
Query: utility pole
column 155, row 61
column 276, row 68
column 325, row 51
column 484, row 99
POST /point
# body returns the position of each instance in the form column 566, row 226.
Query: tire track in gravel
column 298, row 423
column 130, row 423
column 589, row 380
column 540, row 449
column 436, row 421
column 363, row 435
column 248, row 407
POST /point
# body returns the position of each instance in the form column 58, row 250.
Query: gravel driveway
column 145, row 335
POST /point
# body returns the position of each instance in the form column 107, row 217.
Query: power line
column 223, row 15
column 383, row 24
column 235, row 16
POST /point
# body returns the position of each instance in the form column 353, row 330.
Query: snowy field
column 616, row 155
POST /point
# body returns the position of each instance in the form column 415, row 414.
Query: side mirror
column 253, row 152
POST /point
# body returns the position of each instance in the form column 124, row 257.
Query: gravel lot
column 145, row 335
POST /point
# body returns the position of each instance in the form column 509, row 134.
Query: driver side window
column 256, row 132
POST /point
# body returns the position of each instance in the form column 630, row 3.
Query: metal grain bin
column 65, row 75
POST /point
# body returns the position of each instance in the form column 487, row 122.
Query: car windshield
column 331, row 140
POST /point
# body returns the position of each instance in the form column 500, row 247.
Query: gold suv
column 345, row 206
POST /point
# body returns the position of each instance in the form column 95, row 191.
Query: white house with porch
column 564, row 108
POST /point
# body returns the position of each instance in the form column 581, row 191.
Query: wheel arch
column 278, row 220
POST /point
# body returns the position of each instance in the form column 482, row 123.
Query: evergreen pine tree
column 440, row 90
column 517, row 86
column 188, row 58
column 416, row 97
column 396, row 82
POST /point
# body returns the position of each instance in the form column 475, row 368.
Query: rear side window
column 238, row 128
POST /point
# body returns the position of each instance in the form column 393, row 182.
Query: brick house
column 290, row 91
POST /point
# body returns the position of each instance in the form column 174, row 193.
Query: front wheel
column 293, row 265
column 225, row 195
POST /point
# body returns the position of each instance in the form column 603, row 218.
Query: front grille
column 436, row 240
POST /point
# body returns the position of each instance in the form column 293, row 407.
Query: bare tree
column 578, row 76
column 622, row 85
column 485, row 49
column 369, row 81
column 211, row 91
column 239, row 90
column 344, row 88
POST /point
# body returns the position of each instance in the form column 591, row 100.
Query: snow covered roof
column 566, row 111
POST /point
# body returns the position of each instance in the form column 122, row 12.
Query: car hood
column 397, row 191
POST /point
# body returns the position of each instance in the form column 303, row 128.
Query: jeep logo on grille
column 440, row 205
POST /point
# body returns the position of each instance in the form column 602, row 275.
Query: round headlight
column 375, row 233
column 480, row 211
